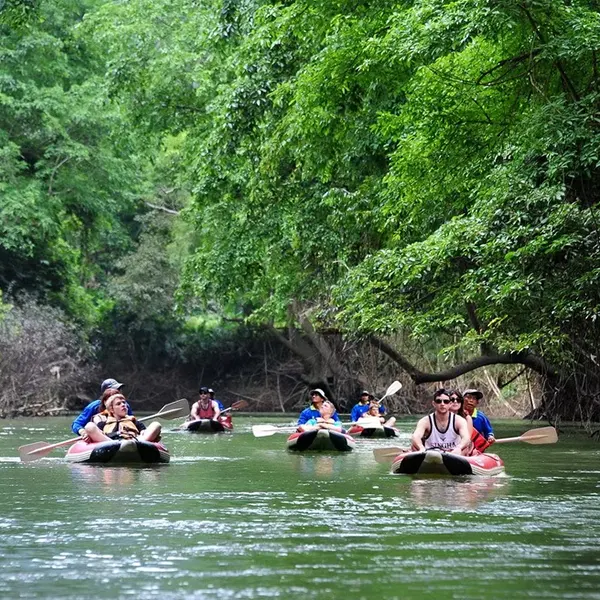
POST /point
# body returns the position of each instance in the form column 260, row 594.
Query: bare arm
column 194, row 412
column 421, row 431
column 216, row 410
column 465, row 436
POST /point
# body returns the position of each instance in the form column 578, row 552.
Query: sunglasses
column 445, row 401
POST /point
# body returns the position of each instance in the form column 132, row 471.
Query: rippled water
column 233, row 516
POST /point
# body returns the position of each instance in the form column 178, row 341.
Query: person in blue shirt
column 211, row 393
column 87, row 414
column 359, row 409
column 327, row 419
column 481, row 423
column 363, row 406
column 317, row 397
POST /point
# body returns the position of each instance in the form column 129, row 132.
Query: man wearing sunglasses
column 442, row 429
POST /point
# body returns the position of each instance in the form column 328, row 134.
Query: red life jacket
column 206, row 413
column 479, row 442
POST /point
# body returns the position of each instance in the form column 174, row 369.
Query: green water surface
column 233, row 516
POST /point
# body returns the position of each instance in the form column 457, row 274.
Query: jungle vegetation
column 352, row 189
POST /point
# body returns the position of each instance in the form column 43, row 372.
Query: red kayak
column 208, row 425
column 118, row 452
column 373, row 432
column 320, row 439
column 435, row 462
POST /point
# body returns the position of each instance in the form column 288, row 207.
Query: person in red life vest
column 480, row 422
column 205, row 408
column 327, row 419
column 442, row 429
column 120, row 425
column 478, row 442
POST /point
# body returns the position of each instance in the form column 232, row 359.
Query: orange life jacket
column 126, row 427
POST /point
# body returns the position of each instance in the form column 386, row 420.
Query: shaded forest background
column 266, row 197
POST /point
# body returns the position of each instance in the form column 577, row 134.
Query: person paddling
column 87, row 414
column 120, row 425
column 480, row 422
column 374, row 412
column 204, row 408
column 442, row 429
column 317, row 397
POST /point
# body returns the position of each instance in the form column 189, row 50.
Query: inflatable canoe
column 208, row 425
column 435, row 462
column 320, row 439
column 373, row 432
column 118, row 452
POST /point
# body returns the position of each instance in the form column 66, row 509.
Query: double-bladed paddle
column 239, row 405
column 38, row 450
column 541, row 435
column 374, row 422
column 267, row 430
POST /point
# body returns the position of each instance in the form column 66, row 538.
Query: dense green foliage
column 369, row 167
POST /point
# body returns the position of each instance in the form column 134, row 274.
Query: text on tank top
column 445, row 440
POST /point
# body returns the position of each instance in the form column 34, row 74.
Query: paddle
column 236, row 406
column 266, row 430
column 38, row 450
column 541, row 435
column 394, row 387
column 387, row 455
column 239, row 405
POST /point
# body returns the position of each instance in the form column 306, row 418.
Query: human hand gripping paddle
column 38, row 450
column 541, row 435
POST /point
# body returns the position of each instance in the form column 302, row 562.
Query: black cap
column 203, row 390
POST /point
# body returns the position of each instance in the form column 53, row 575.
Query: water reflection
column 115, row 476
column 456, row 493
column 321, row 466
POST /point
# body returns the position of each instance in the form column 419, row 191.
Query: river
column 233, row 516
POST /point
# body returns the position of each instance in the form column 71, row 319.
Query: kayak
column 208, row 425
column 118, row 452
column 373, row 432
column 320, row 439
column 435, row 462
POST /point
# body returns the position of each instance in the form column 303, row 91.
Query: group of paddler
column 456, row 424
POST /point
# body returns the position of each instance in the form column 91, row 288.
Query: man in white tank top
column 441, row 429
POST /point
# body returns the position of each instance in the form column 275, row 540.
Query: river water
column 233, row 516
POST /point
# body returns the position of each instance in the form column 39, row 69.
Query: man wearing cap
column 480, row 422
column 87, row 414
column 205, row 408
column 317, row 396
column 362, row 407
column 211, row 393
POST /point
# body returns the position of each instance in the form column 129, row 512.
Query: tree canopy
column 367, row 168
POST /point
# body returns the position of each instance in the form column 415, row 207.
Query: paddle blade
column 179, row 408
column 266, row 430
column 387, row 455
column 239, row 405
column 34, row 451
column 542, row 435
column 396, row 386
